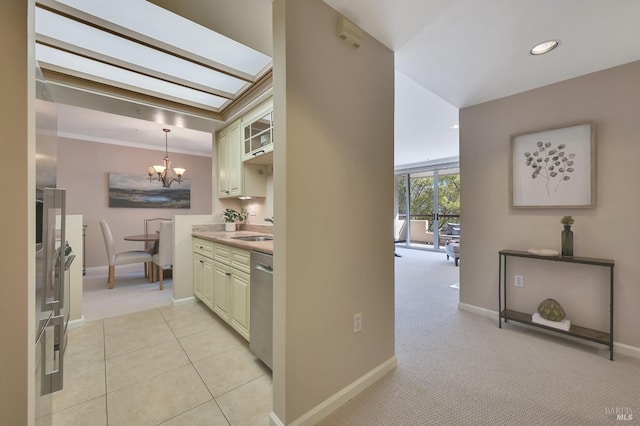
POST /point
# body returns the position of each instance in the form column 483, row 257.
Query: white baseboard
column 618, row 348
column 334, row 402
column 183, row 301
column 628, row 350
column 274, row 420
column 77, row 323
column 478, row 310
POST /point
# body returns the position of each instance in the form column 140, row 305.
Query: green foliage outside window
column 421, row 197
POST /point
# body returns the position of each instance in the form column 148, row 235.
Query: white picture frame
column 554, row 168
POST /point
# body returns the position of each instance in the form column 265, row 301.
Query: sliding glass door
column 428, row 206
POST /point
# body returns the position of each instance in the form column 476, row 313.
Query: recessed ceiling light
column 544, row 47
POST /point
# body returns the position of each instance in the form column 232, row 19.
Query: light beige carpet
column 131, row 293
column 457, row 368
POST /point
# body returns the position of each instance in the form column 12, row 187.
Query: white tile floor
column 170, row 366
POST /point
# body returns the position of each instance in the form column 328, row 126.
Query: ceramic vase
column 228, row 227
column 567, row 241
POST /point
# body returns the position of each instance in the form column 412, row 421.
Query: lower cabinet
column 221, row 281
column 221, row 276
column 207, row 283
column 203, row 279
column 198, row 265
column 239, row 285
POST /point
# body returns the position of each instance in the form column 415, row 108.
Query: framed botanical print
column 553, row 168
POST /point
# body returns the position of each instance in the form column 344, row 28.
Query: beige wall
column 17, row 214
column 334, row 160
column 611, row 99
column 83, row 169
column 262, row 206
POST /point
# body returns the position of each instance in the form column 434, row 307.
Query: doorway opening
column 427, row 206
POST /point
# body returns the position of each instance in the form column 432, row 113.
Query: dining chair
column 122, row 258
column 151, row 247
column 164, row 257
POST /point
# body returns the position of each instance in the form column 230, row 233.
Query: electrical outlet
column 252, row 211
column 357, row 322
column 518, row 281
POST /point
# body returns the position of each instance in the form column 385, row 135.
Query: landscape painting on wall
column 129, row 190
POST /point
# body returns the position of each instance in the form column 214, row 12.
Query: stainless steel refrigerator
column 53, row 258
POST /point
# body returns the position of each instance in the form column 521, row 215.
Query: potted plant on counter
column 231, row 216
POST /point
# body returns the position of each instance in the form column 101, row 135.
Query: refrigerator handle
column 52, row 380
column 56, row 199
column 61, row 203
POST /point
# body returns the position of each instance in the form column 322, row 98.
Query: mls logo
column 620, row 413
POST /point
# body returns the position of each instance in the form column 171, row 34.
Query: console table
column 575, row 331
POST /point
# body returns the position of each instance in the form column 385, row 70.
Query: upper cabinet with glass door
column 257, row 134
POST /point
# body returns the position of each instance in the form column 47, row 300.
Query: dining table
column 150, row 237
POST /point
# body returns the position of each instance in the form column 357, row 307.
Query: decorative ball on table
column 551, row 310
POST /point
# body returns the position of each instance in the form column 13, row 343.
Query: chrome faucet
column 269, row 219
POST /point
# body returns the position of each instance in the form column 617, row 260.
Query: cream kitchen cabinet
column 222, row 282
column 207, row 282
column 257, row 134
column 231, row 297
column 203, row 271
column 239, row 284
column 236, row 179
column 221, row 274
column 198, row 275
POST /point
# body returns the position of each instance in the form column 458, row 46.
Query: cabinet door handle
column 258, row 152
column 228, row 274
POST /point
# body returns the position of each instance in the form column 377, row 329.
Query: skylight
column 79, row 66
column 138, row 46
column 159, row 24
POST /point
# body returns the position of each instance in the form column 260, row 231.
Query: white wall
column 609, row 98
column 422, row 124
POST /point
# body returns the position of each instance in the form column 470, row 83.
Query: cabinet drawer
column 222, row 253
column 241, row 259
column 203, row 247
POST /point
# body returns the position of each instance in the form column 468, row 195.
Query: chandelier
column 165, row 174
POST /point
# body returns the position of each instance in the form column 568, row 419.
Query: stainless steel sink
column 253, row 238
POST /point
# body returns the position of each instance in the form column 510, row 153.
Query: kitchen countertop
column 227, row 238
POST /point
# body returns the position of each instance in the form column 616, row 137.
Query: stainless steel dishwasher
column 261, row 307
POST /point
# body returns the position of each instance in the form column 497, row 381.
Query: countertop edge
column 227, row 239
